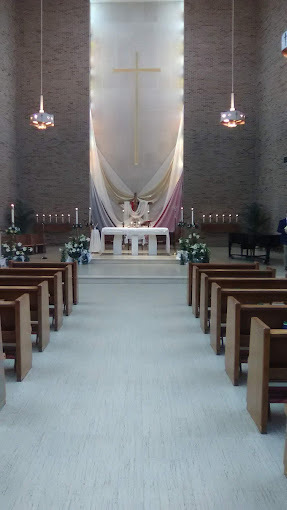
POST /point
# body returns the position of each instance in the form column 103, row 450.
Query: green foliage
column 24, row 217
column 256, row 219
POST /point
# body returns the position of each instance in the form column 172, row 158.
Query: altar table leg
column 135, row 245
column 117, row 244
column 152, row 245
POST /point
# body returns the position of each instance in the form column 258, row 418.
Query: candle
column 44, row 217
column 236, row 218
column 210, row 218
column 223, row 218
column 192, row 216
column 77, row 216
column 69, row 218
column 12, row 215
column 63, row 219
column 229, row 218
column 56, row 218
column 203, row 218
column 181, row 214
column 37, row 218
column 216, row 216
column 90, row 215
column 50, row 218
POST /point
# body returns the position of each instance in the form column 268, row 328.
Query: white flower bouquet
column 13, row 230
column 78, row 249
column 16, row 251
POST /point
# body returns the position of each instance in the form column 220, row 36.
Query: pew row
column 66, row 275
column 55, row 289
column 285, row 450
column 227, row 273
column 74, row 266
column 267, row 363
column 219, row 298
column 39, row 308
column 65, row 271
column 16, row 333
column 238, row 323
column 209, row 265
column 2, row 374
column 232, row 283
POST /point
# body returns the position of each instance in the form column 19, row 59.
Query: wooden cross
column 137, row 70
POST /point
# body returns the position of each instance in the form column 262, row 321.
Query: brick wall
column 219, row 163
column 54, row 164
column 271, row 102
column 8, row 36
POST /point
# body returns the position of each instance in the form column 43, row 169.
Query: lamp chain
column 41, row 59
column 232, row 78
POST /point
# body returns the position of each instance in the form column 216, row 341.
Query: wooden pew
column 232, row 283
column 66, row 273
column 285, row 451
column 209, row 265
column 55, row 287
column 74, row 266
column 267, row 362
column 16, row 333
column 238, row 323
column 228, row 273
column 2, row 374
column 219, row 298
column 39, row 308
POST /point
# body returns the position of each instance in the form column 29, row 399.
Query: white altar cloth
column 95, row 243
column 134, row 234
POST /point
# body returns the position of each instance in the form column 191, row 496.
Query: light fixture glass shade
column 232, row 118
column 41, row 119
column 284, row 44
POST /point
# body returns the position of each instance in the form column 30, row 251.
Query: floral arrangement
column 16, row 251
column 13, row 230
column 78, row 249
column 191, row 250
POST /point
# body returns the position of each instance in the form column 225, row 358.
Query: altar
column 135, row 234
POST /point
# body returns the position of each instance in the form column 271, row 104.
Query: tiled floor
column 129, row 409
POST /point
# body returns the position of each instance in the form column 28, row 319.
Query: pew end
column 267, row 362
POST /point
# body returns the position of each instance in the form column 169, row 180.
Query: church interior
column 143, row 263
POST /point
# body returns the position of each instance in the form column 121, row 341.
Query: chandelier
column 41, row 119
column 232, row 118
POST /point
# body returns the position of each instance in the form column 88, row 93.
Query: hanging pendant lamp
column 232, row 118
column 284, row 44
column 41, row 119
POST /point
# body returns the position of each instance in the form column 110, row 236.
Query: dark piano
column 249, row 243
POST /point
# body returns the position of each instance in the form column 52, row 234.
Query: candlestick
column 223, row 218
column 236, row 218
column 192, row 216
column 77, row 215
column 216, row 216
column 12, row 215
column 37, row 218
column 44, row 217
column 203, row 218
column 230, row 218
column 90, row 215
column 50, row 218
column 69, row 218
column 181, row 214
column 63, row 218
column 210, row 218
column 56, row 218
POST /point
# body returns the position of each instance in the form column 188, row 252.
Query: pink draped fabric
column 171, row 214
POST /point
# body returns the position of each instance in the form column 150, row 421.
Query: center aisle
column 129, row 409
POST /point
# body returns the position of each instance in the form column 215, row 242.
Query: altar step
column 132, row 270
